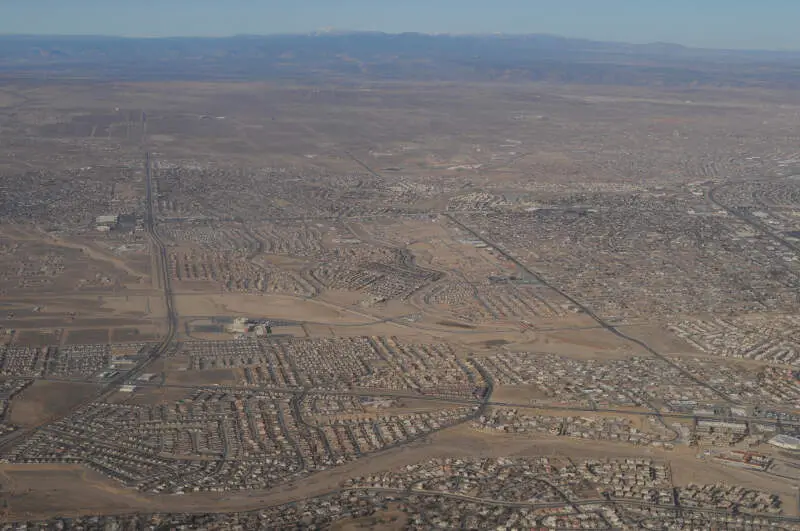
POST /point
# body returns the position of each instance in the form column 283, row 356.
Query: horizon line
column 335, row 32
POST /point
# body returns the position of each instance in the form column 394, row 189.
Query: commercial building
column 787, row 442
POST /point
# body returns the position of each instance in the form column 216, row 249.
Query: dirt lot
column 265, row 306
column 124, row 335
column 73, row 488
column 38, row 338
column 76, row 337
column 206, row 377
column 44, row 400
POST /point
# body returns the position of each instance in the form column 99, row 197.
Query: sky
column 747, row 24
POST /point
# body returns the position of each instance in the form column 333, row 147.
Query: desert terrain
column 398, row 303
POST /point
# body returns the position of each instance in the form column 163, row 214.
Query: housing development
column 262, row 304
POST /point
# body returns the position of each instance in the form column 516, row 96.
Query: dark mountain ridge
column 363, row 56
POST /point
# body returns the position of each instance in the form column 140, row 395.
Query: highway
column 159, row 350
column 711, row 195
column 163, row 273
column 486, row 402
column 599, row 320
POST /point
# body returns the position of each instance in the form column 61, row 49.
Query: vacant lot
column 45, row 400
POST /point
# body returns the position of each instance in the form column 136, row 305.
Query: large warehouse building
column 787, row 442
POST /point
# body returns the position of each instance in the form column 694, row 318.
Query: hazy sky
column 765, row 24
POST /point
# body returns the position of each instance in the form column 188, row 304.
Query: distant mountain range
column 360, row 56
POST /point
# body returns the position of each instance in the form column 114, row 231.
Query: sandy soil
column 44, row 400
column 205, row 377
column 266, row 306
column 91, row 335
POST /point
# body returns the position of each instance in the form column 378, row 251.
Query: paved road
column 561, row 504
column 447, row 400
column 711, row 195
column 162, row 347
column 599, row 320
column 165, row 278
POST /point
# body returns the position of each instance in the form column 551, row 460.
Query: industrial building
column 786, row 442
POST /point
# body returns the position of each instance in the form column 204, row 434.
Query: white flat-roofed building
column 106, row 220
column 787, row 442
column 720, row 425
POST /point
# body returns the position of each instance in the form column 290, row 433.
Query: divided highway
column 160, row 252
column 163, row 277
column 167, row 342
